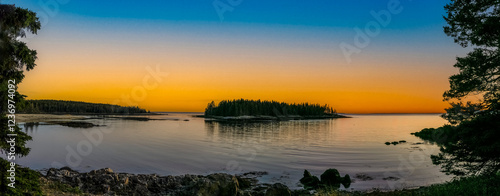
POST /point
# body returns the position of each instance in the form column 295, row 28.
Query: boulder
column 107, row 182
column 213, row 184
column 309, row 181
column 278, row 189
column 331, row 177
column 346, row 181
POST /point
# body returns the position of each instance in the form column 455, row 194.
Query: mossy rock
column 346, row 181
column 331, row 177
column 309, row 181
column 278, row 189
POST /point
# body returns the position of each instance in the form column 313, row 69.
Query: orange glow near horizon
column 106, row 74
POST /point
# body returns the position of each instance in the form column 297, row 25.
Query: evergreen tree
column 241, row 107
column 471, row 146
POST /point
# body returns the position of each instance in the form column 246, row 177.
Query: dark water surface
column 354, row 146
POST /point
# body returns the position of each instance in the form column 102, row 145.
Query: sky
column 363, row 56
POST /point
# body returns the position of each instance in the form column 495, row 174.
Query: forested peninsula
column 257, row 110
column 75, row 107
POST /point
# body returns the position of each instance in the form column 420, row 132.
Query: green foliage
column 477, row 185
column 470, row 148
column 459, row 112
column 471, row 144
column 21, row 139
column 439, row 135
column 65, row 188
column 76, row 107
column 475, row 23
column 241, row 107
column 15, row 56
column 27, row 181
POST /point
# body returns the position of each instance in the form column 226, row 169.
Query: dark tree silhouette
column 76, row 107
column 15, row 57
column 471, row 144
column 242, row 107
column 477, row 24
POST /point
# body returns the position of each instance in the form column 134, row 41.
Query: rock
column 307, row 174
column 107, row 182
column 101, row 171
column 278, row 189
column 346, row 181
column 255, row 174
column 213, row 184
column 391, row 178
column 331, row 177
column 66, row 168
column 227, row 184
column 74, row 124
column 363, row 177
column 244, row 183
column 125, row 181
column 309, row 181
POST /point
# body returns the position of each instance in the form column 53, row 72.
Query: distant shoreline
column 96, row 114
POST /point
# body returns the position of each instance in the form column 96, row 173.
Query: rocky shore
column 107, row 182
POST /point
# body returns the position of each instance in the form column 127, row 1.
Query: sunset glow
column 276, row 52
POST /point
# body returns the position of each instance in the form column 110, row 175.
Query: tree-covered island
column 257, row 110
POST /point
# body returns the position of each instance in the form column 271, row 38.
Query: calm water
column 284, row 149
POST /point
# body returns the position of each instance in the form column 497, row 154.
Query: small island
column 244, row 110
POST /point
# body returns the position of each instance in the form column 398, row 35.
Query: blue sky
column 332, row 21
column 292, row 12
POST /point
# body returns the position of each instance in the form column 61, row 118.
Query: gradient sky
column 99, row 51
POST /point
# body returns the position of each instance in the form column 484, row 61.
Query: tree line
column 76, row 107
column 242, row 107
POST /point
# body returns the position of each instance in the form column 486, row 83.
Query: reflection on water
column 354, row 146
column 30, row 126
column 285, row 132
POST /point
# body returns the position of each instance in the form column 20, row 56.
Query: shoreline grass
column 475, row 185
